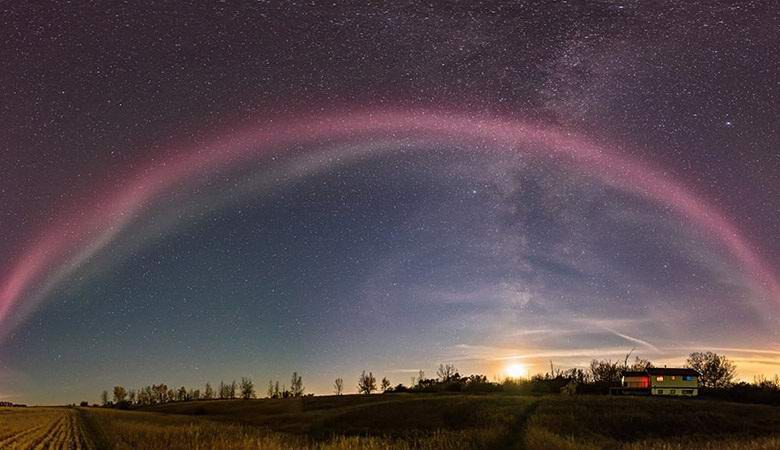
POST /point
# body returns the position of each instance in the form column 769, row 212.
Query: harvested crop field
column 42, row 428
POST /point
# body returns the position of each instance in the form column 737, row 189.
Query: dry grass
column 153, row 431
column 403, row 422
column 588, row 423
column 42, row 428
column 765, row 443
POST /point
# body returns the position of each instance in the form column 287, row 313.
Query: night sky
column 198, row 192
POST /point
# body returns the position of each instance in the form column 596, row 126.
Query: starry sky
column 192, row 192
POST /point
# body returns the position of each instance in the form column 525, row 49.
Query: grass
column 404, row 422
column 623, row 422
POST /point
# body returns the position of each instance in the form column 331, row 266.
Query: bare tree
column 446, row 372
column 120, row 394
column 277, row 391
column 420, row 377
column 772, row 384
column 628, row 355
column 270, row 389
column 640, row 364
column 131, row 396
column 716, row 370
column 232, row 387
column 338, row 386
column 366, row 383
column 247, row 388
column 296, row 385
column 385, row 385
column 208, row 394
column 104, row 398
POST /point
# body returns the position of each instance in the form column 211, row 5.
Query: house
column 660, row 381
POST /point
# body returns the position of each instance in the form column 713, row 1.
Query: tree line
column 156, row 394
column 716, row 373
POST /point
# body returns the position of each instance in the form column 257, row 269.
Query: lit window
column 674, row 377
column 659, row 378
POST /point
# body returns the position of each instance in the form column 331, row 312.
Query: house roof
column 672, row 371
column 634, row 373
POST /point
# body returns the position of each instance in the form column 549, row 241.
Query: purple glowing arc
column 74, row 238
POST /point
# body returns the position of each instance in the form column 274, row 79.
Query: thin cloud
column 634, row 339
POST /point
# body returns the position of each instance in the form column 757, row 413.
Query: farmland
column 402, row 421
column 42, row 428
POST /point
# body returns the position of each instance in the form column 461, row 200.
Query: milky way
column 71, row 242
column 190, row 193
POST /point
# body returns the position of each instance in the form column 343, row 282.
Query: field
column 404, row 422
column 42, row 428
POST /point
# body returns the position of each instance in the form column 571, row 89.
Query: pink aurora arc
column 70, row 242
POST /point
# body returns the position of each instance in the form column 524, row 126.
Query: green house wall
column 673, row 386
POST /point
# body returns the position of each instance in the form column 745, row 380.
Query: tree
column 640, row 364
column 208, row 394
column 181, row 394
column 147, row 393
column 366, row 383
column 223, row 390
column 577, row 375
column 385, row 385
column 338, row 386
column 247, row 388
column 277, row 391
column 120, row 394
column 716, row 370
column 762, row 382
column 605, row 371
column 232, row 387
column 296, row 385
column 420, row 377
column 104, row 398
column 131, row 396
column 160, row 393
column 446, row 372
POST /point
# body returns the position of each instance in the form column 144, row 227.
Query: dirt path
column 515, row 440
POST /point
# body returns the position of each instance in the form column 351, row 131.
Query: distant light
column 516, row 371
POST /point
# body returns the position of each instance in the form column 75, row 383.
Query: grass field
column 404, row 422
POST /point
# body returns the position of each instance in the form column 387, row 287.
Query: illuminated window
column 659, row 378
column 674, row 377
